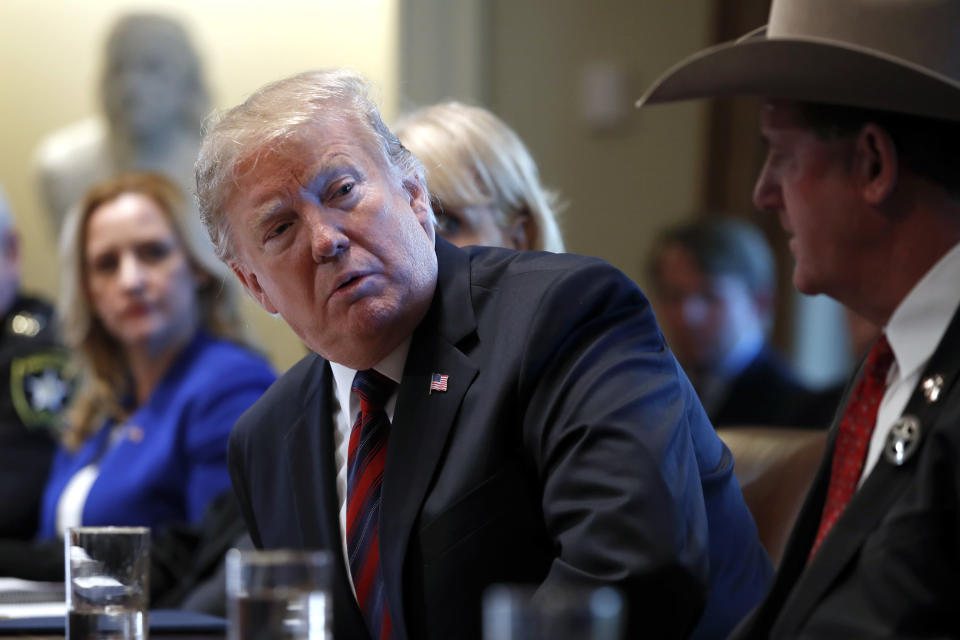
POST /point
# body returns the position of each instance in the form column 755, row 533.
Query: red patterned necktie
column 365, row 460
column 853, row 436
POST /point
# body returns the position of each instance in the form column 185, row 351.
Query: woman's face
column 138, row 278
column 479, row 225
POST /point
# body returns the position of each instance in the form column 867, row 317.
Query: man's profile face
column 327, row 235
column 809, row 183
column 703, row 315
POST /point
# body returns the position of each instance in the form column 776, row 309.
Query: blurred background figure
column 482, row 177
column 33, row 390
column 153, row 99
column 164, row 370
column 164, row 374
column 714, row 288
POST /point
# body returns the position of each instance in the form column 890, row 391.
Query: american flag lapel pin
column 438, row 382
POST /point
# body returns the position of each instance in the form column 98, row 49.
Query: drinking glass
column 107, row 582
column 521, row 612
column 278, row 595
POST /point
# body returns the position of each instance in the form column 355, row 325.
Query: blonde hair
column 105, row 379
column 473, row 158
column 275, row 114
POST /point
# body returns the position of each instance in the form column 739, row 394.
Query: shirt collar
column 391, row 366
column 920, row 320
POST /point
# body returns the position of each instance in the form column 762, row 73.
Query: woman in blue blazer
column 163, row 373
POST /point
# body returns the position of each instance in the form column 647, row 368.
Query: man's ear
column 420, row 204
column 249, row 281
column 876, row 163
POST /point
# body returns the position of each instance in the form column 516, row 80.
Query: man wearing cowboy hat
column 862, row 116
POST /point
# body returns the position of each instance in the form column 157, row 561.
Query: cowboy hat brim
column 809, row 70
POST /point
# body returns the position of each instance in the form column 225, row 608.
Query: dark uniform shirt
column 33, row 391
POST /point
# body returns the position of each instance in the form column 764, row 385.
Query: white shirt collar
column 391, row 366
column 920, row 320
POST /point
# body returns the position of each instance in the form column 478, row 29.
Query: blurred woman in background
column 485, row 184
column 164, row 373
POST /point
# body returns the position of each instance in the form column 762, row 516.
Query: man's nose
column 327, row 240
column 766, row 192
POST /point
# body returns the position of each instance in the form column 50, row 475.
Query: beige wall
column 642, row 171
column 50, row 57
column 622, row 182
column 624, row 178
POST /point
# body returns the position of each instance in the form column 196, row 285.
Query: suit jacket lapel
column 423, row 419
column 867, row 508
column 309, row 459
column 869, row 505
column 312, row 470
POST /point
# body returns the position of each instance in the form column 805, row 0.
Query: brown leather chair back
column 775, row 467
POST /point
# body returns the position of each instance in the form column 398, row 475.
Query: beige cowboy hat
column 895, row 55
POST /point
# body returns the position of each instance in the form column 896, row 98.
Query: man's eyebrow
column 329, row 165
column 269, row 211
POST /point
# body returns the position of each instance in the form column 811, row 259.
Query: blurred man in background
column 714, row 289
column 33, row 390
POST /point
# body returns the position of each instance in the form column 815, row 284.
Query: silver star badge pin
column 902, row 441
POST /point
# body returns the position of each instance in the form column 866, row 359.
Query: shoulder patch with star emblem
column 40, row 387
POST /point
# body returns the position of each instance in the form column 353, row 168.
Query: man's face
column 703, row 315
column 809, row 183
column 327, row 235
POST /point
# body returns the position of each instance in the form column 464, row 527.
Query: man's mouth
column 349, row 279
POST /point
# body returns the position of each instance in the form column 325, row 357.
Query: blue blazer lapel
column 423, row 419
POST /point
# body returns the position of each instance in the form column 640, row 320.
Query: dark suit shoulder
column 281, row 403
column 577, row 286
column 489, row 265
column 768, row 393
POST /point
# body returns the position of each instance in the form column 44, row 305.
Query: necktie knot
column 373, row 389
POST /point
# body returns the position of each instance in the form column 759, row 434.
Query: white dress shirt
column 392, row 367
column 914, row 331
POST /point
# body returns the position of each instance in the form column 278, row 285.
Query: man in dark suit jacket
column 714, row 284
column 865, row 176
column 539, row 432
column 34, row 388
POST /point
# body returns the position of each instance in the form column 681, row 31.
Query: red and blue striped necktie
column 365, row 461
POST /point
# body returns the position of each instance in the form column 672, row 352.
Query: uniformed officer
column 34, row 388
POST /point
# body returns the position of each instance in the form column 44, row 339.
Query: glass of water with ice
column 278, row 595
column 107, row 582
